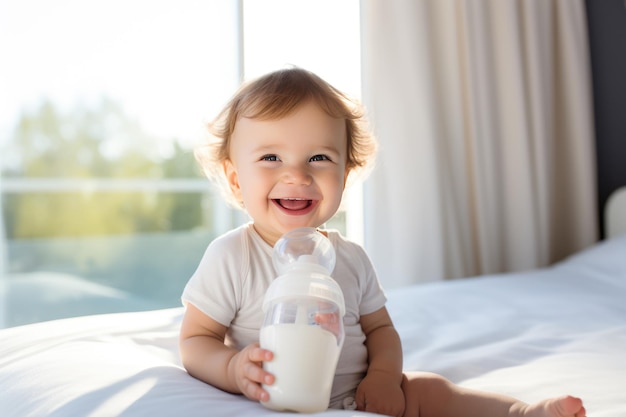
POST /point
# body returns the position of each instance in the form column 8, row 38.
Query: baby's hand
column 379, row 393
column 247, row 368
column 330, row 322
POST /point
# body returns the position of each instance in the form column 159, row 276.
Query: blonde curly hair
column 276, row 95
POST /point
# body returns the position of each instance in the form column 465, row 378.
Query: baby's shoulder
column 229, row 243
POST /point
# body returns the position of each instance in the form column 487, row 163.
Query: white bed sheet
column 534, row 334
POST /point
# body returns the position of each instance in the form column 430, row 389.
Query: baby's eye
column 272, row 158
column 319, row 158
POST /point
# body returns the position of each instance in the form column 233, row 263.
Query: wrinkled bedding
column 534, row 334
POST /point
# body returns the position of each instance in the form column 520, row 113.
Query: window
column 103, row 206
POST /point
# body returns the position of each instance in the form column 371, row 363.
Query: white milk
column 305, row 358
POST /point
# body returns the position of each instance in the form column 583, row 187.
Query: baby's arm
column 207, row 358
column 381, row 389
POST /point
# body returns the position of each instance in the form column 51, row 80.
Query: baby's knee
column 424, row 378
column 423, row 385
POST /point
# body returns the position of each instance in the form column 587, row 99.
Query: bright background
column 101, row 105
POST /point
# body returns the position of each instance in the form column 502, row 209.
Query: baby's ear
column 232, row 179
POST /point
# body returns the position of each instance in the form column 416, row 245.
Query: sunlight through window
column 104, row 208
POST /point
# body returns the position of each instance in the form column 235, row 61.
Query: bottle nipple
column 303, row 246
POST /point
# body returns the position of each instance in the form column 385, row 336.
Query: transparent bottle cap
column 303, row 245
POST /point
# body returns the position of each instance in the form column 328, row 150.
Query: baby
column 284, row 149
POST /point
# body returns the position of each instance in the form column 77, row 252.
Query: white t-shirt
column 236, row 270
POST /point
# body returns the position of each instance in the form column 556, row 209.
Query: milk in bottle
column 303, row 325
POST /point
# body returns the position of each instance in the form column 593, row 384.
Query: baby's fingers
column 254, row 372
column 254, row 391
column 253, row 365
column 256, row 354
column 251, row 372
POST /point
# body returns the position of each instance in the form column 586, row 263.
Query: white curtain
column 483, row 113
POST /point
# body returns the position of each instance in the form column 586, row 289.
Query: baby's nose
column 297, row 175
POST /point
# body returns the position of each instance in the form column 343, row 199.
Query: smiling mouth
column 295, row 204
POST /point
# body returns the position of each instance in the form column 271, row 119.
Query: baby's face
column 289, row 172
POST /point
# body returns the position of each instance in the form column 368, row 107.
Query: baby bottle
column 303, row 327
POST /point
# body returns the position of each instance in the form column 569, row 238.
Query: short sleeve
column 357, row 277
column 373, row 296
column 215, row 286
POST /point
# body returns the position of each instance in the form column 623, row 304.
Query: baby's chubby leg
column 431, row 395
